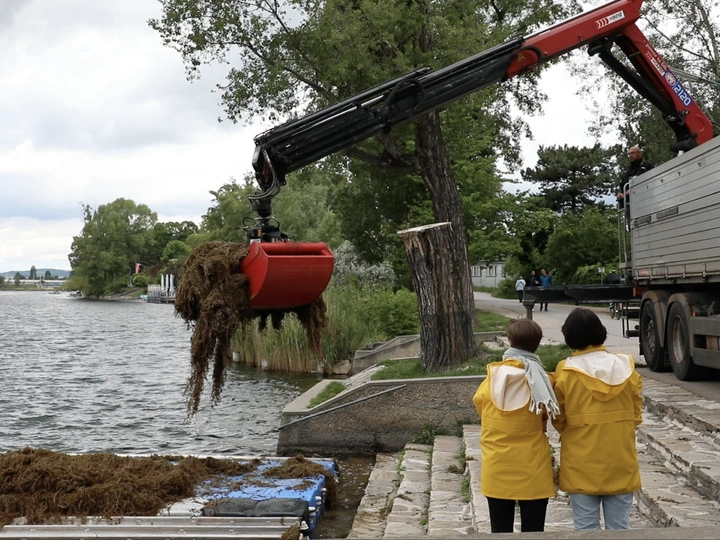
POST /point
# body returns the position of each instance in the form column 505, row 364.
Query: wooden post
column 446, row 326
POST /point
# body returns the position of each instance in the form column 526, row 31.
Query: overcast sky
column 95, row 108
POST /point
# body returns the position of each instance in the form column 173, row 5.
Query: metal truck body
column 675, row 240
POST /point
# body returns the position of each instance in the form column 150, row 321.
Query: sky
column 95, row 108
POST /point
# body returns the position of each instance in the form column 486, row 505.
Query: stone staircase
column 434, row 490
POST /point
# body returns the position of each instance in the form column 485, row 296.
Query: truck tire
column 655, row 354
column 678, row 341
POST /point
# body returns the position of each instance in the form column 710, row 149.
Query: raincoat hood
column 602, row 373
column 509, row 390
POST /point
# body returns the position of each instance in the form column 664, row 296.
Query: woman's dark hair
column 583, row 329
column 524, row 334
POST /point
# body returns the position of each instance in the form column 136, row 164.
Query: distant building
column 487, row 274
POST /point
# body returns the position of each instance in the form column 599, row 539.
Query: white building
column 487, row 274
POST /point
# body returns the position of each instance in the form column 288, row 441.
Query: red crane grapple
column 285, row 275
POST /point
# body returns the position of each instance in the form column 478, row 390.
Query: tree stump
column 446, row 323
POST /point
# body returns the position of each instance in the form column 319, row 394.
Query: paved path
column 552, row 320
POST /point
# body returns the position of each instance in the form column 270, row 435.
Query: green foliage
column 490, row 322
column 582, row 239
column 390, row 313
column 506, row 288
column 593, row 273
column 302, row 210
column 175, row 250
column 140, row 280
column 113, row 237
column 229, row 213
column 330, row 391
column 115, row 286
column 465, row 489
column 551, row 355
column 412, row 368
column 348, row 329
column 164, row 233
column 427, row 434
column 572, row 178
column 349, row 269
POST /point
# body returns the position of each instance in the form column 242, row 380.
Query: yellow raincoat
column 516, row 461
column 600, row 396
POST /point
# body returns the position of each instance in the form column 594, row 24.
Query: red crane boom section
column 617, row 22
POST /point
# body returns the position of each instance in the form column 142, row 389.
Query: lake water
column 86, row 376
column 83, row 375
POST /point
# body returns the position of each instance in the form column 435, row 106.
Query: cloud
column 27, row 242
column 8, row 10
column 95, row 108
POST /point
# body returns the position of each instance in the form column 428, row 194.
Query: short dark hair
column 524, row 334
column 583, row 329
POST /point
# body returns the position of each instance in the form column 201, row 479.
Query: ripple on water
column 89, row 376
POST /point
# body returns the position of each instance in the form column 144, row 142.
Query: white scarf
column 542, row 395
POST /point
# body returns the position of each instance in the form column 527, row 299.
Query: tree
column 165, row 232
column 304, row 56
column 582, row 239
column 113, row 237
column 571, row 178
column 33, row 272
column 48, row 275
column 175, row 251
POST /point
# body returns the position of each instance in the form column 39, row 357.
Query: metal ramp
column 154, row 527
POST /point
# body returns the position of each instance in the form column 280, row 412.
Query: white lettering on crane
column 605, row 21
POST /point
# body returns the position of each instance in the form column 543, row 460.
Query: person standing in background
column 532, row 280
column 520, row 288
column 545, row 280
column 638, row 166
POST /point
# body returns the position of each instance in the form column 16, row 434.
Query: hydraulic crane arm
column 289, row 274
column 295, row 144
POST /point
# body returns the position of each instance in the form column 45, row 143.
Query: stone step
column 408, row 516
column 685, row 465
column 683, row 408
column 449, row 512
column 371, row 515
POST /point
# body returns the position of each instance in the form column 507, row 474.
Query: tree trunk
column 446, row 329
column 450, row 267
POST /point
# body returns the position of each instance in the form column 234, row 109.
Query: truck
column 672, row 283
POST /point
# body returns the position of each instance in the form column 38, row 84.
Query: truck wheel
column 679, row 346
column 655, row 354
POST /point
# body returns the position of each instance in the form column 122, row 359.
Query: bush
column 115, row 286
column 507, row 288
column 140, row 280
column 389, row 314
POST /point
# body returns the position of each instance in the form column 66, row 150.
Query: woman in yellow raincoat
column 514, row 402
column 601, row 402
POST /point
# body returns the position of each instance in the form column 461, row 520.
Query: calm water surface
column 86, row 376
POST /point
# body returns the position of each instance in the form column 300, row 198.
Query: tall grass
column 355, row 317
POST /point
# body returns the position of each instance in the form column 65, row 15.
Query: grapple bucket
column 287, row 274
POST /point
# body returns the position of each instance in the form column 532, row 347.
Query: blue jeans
column 586, row 511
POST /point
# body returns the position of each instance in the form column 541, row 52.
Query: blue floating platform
column 253, row 494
